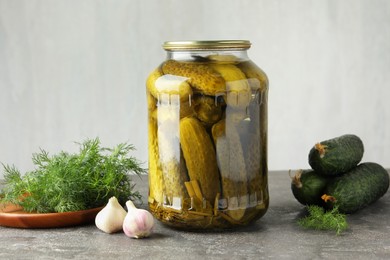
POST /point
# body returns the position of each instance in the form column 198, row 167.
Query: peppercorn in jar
column 207, row 136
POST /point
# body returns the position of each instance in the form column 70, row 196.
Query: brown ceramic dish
column 14, row 216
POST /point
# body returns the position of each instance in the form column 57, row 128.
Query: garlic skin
column 110, row 218
column 138, row 223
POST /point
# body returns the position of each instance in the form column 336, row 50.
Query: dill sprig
column 71, row 182
column 321, row 219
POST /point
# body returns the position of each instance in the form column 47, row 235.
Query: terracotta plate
column 14, row 216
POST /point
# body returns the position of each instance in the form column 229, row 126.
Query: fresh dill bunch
column 71, row 182
column 320, row 219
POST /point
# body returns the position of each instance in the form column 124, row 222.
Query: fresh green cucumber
column 308, row 186
column 357, row 188
column 336, row 156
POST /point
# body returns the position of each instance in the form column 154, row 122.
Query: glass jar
column 207, row 116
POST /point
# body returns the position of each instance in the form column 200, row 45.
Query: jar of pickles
column 207, row 136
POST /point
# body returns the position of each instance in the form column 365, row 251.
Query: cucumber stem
column 327, row 198
column 321, row 149
column 296, row 179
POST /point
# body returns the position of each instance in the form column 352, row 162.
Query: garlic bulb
column 138, row 222
column 110, row 218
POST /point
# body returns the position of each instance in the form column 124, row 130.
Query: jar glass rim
column 206, row 45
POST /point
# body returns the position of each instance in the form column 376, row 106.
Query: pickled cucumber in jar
column 207, row 109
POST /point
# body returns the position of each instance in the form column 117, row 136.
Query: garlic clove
column 138, row 223
column 110, row 218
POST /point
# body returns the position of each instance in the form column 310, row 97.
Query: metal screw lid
column 206, row 45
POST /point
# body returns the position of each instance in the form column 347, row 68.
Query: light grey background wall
column 71, row 70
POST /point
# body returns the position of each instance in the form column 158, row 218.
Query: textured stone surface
column 275, row 236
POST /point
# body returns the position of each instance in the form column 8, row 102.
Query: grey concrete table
column 275, row 236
